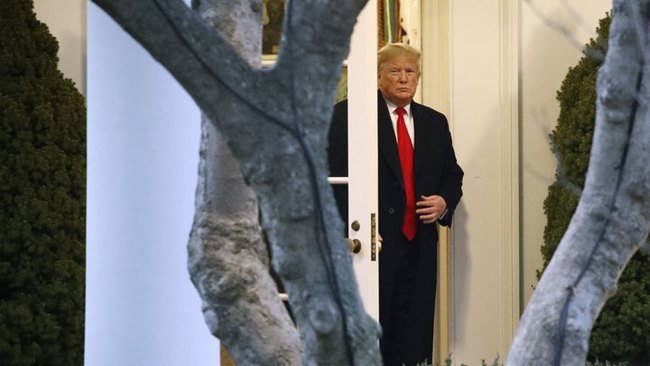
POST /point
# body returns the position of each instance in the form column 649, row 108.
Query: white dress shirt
column 408, row 120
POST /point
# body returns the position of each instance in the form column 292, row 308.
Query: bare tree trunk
column 228, row 257
column 613, row 217
column 229, row 264
column 277, row 125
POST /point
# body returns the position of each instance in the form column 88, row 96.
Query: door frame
column 435, row 91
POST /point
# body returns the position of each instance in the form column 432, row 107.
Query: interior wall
column 546, row 56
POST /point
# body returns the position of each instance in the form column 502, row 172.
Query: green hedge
column 42, row 197
column 622, row 332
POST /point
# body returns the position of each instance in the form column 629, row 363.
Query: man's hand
column 431, row 208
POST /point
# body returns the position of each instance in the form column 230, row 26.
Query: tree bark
column 277, row 128
column 612, row 219
column 229, row 264
column 227, row 256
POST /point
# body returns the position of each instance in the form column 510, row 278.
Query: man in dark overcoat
column 419, row 186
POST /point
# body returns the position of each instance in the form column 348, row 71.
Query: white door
column 362, row 155
column 362, row 162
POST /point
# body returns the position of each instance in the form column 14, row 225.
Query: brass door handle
column 355, row 225
column 354, row 245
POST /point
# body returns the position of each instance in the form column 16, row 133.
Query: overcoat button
column 391, row 211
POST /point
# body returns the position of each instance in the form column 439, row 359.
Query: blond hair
column 394, row 50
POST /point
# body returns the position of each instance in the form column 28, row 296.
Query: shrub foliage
column 622, row 331
column 42, row 197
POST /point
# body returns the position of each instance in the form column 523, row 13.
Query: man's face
column 398, row 80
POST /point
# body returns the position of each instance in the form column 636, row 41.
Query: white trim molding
column 510, row 264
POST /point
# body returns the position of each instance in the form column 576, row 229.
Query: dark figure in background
column 419, row 185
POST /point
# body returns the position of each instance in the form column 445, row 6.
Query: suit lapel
column 387, row 142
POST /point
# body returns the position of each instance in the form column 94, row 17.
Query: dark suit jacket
column 436, row 172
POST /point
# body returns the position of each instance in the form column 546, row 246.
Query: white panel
column 362, row 150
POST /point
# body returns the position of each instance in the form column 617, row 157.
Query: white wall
column 505, row 68
column 143, row 134
column 546, row 58
column 67, row 22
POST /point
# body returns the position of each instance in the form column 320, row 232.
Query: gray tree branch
column 227, row 255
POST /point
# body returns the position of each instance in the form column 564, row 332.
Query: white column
column 143, row 143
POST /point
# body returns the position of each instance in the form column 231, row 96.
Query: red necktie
column 406, row 158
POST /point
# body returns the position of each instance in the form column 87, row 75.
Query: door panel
column 362, row 154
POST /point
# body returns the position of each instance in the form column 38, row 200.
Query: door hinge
column 373, row 236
